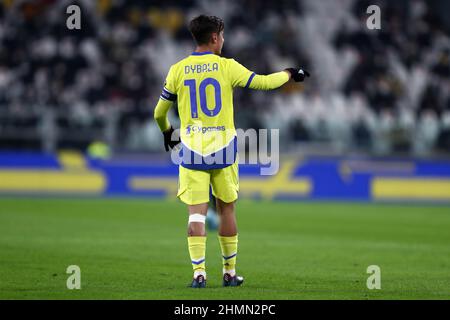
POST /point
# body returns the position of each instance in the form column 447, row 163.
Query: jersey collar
column 201, row 53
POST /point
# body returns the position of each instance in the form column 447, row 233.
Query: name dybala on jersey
column 202, row 84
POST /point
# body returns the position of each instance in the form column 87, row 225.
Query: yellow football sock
column 197, row 249
column 229, row 252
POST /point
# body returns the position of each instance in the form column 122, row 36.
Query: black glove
column 168, row 142
column 298, row 74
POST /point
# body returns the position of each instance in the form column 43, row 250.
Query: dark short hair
column 202, row 27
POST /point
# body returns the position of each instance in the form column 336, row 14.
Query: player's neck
column 204, row 49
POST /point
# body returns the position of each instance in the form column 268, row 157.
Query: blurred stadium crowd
column 379, row 91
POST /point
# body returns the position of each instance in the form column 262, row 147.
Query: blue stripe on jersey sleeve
column 250, row 80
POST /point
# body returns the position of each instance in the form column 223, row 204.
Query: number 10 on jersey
column 210, row 112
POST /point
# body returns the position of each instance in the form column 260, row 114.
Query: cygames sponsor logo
column 199, row 129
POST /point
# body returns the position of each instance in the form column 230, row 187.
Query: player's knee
column 196, row 225
column 225, row 208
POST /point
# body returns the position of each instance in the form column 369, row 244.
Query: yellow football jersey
column 202, row 84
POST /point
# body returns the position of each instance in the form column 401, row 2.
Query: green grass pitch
column 137, row 249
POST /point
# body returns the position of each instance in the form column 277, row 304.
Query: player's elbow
column 159, row 113
column 261, row 82
column 160, row 118
column 271, row 85
column 267, row 82
column 156, row 114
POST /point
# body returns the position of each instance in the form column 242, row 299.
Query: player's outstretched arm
column 242, row 77
column 268, row 82
column 276, row 80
